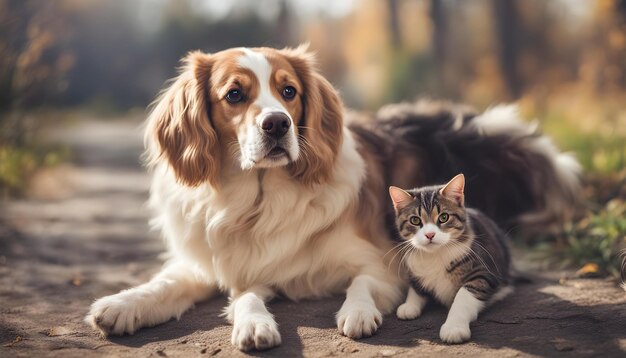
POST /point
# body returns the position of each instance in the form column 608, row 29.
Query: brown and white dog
column 261, row 187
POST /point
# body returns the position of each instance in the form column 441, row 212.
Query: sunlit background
column 562, row 61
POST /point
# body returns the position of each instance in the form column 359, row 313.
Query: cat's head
column 431, row 217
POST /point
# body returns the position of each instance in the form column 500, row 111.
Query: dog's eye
column 289, row 93
column 234, row 96
column 414, row 220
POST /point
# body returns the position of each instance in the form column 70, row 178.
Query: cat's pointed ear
column 455, row 189
column 399, row 197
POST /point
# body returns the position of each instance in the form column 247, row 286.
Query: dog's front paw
column 358, row 320
column 453, row 332
column 255, row 331
column 116, row 314
column 408, row 311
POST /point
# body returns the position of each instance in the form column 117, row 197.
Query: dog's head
column 254, row 108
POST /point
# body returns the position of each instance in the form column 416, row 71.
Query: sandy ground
column 83, row 234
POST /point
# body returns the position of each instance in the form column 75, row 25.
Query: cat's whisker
column 406, row 249
column 407, row 252
column 400, row 248
column 490, row 256
column 399, row 266
column 477, row 256
column 394, row 247
column 470, row 251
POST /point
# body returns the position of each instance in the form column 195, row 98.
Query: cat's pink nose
column 429, row 235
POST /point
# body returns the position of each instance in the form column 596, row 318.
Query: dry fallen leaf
column 589, row 270
column 17, row 339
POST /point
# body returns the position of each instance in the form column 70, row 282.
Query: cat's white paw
column 408, row 311
column 357, row 320
column 255, row 331
column 453, row 332
column 116, row 314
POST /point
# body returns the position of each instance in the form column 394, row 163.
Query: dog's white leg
column 170, row 293
column 253, row 325
column 358, row 316
column 463, row 311
column 412, row 308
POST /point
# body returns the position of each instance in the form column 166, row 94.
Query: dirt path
column 83, row 234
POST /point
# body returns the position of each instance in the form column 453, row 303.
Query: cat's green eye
column 443, row 217
column 414, row 220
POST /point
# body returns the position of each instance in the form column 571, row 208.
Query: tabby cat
column 455, row 255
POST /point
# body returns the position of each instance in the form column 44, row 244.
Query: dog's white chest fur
column 261, row 222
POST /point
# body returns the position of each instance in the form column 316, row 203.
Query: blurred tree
column 507, row 30
column 394, row 24
column 439, row 40
column 284, row 28
column 34, row 53
column 609, row 45
column 34, row 62
column 113, row 57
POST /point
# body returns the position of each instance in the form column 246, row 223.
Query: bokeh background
column 562, row 61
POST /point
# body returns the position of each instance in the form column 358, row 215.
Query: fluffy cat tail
column 514, row 174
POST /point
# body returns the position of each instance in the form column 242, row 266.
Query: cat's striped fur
column 455, row 255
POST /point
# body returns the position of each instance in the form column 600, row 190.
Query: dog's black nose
column 276, row 124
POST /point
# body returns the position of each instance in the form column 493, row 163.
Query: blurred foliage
column 598, row 151
column 17, row 165
column 599, row 236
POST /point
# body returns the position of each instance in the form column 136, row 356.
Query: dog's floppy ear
column 179, row 127
column 322, row 122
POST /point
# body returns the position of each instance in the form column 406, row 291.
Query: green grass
column 597, row 152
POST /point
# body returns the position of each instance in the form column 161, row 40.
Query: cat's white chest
column 433, row 276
